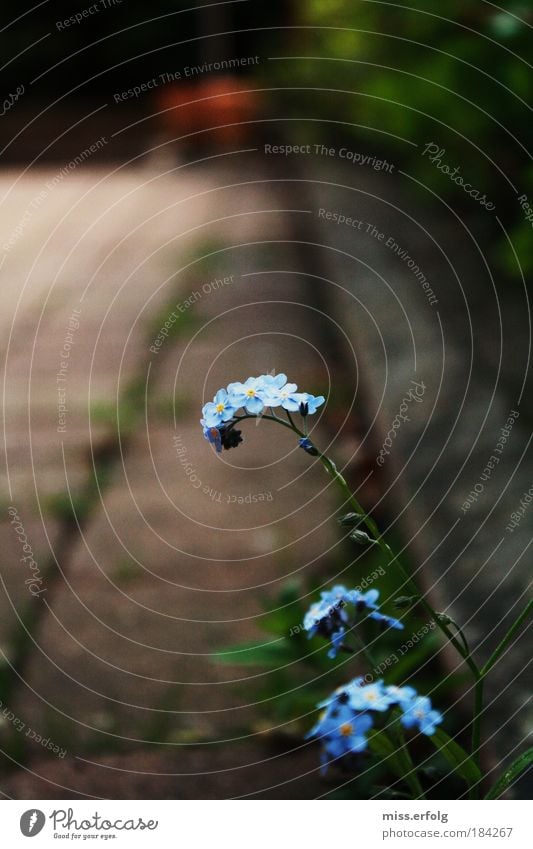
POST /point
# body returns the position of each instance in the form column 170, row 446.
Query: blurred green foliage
column 454, row 73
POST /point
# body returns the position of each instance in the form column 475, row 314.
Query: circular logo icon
column 32, row 822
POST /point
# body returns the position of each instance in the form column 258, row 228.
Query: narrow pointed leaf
column 511, row 774
column 456, row 756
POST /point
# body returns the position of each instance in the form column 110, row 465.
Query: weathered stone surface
column 475, row 371
column 166, row 568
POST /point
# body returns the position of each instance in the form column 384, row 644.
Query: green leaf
column 397, row 758
column 387, row 751
column 456, row 756
column 510, row 775
column 284, row 622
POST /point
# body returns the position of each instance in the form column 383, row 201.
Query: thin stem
column 499, row 650
column 395, row 732
column 468, row 659
column 410, row 776
column 480, row 683
column 331, row 468
column 462, row 648
column 363, row 648
column 268, row 418
column 476, row 723
column 463, row 638
column 378, row 538
column 291, row 419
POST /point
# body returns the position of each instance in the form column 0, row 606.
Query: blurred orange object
column 217, row 109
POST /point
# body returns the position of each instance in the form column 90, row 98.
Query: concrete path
column 152, row 572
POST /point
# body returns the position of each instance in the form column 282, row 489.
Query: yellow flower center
column 346, row 729
column 371, row 697
column 250, row 393
column 220, row 408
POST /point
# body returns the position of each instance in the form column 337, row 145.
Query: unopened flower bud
column 308, row 446
column 361, row 537
column 349, row 520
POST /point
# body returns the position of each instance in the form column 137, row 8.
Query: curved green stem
column 499, row 650
column 461, row 647
column 291, row 419
column 476, row 722
column 268, row 419
column 395, row 734
column 411, row 776
column 393, row 558
column 480, row 683
column 350, row 498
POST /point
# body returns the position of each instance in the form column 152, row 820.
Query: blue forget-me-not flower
column 254, row 396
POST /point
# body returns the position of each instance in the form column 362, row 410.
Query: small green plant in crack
column 125, row 572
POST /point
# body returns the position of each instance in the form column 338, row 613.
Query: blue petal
column 228, row 413
column 290, row 404
column 371, row 596
column 254, row 405
column 358, row 744
column 313, row 402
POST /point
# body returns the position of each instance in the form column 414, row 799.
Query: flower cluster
column 253, row 397
column 329, row 617
column 351, row 711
